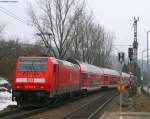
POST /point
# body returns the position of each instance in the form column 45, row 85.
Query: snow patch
column 5, row 100
column 3, row 88
column 3, row 81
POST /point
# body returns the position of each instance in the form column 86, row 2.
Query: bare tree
column 2, row 27
column 74, row 34
column 59, row 18
column 92, row 43
column 10, row 50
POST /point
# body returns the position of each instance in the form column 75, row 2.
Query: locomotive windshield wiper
column 33, row 68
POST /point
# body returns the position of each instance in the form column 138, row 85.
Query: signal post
column 131, row 65
column 120, row 85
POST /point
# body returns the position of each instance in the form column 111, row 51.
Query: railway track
column 20, row 113
column 91, row 109
column 25, row 113
column 16, row 113
column 6, row 113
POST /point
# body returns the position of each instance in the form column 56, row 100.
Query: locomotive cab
column 32, row 79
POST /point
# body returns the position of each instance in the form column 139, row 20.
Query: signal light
column 130, row 53
column 121, row 57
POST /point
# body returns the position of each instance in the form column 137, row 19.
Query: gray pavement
column 126, row 115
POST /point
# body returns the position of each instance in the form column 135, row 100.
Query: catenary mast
column 135, row 43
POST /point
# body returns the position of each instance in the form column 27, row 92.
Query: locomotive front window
column 37, row 65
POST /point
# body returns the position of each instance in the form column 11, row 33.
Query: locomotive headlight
column 21, row 79
column 39, row 80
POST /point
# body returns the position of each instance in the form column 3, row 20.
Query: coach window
column 84, row 76
column 113, row 78
column 105, row 77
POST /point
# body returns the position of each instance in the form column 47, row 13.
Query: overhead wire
column 8, row 1
column 123, row 45
column 12, row 15
column 117, row 49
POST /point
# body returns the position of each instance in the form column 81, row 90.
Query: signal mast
column 135, row 43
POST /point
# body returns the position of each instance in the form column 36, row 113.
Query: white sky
column 115, row 15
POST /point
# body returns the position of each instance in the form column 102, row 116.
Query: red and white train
column 42, row 79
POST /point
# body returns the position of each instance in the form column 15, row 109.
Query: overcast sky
column 115, row 15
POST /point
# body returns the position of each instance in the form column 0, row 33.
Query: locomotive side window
column 113, row 78
column 32, row 65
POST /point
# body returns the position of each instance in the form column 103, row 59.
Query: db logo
column 30, row 79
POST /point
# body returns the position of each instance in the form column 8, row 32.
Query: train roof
column 90, row 68
column 110, row 71
column 85, row 67
column 34, row 58
column 41, row 59
column 66, row 63
column 125, row 74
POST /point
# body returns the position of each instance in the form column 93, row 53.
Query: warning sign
column 120, row 87
column 130, row 67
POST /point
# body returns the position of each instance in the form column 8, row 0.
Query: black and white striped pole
column 121, row 58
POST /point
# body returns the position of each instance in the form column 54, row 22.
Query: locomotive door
column 56, row 78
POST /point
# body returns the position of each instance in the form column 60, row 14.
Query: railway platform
column 125, row 115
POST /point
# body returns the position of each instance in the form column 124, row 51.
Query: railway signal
column 130, row 54
column 120, row 87
column 121, row 57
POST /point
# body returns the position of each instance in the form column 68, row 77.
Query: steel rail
column 20, row 112
column 100, row 108
column 25, row 113
column 9, row 112
column 69, row 114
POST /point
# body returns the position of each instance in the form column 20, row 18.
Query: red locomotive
column 39, row 80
